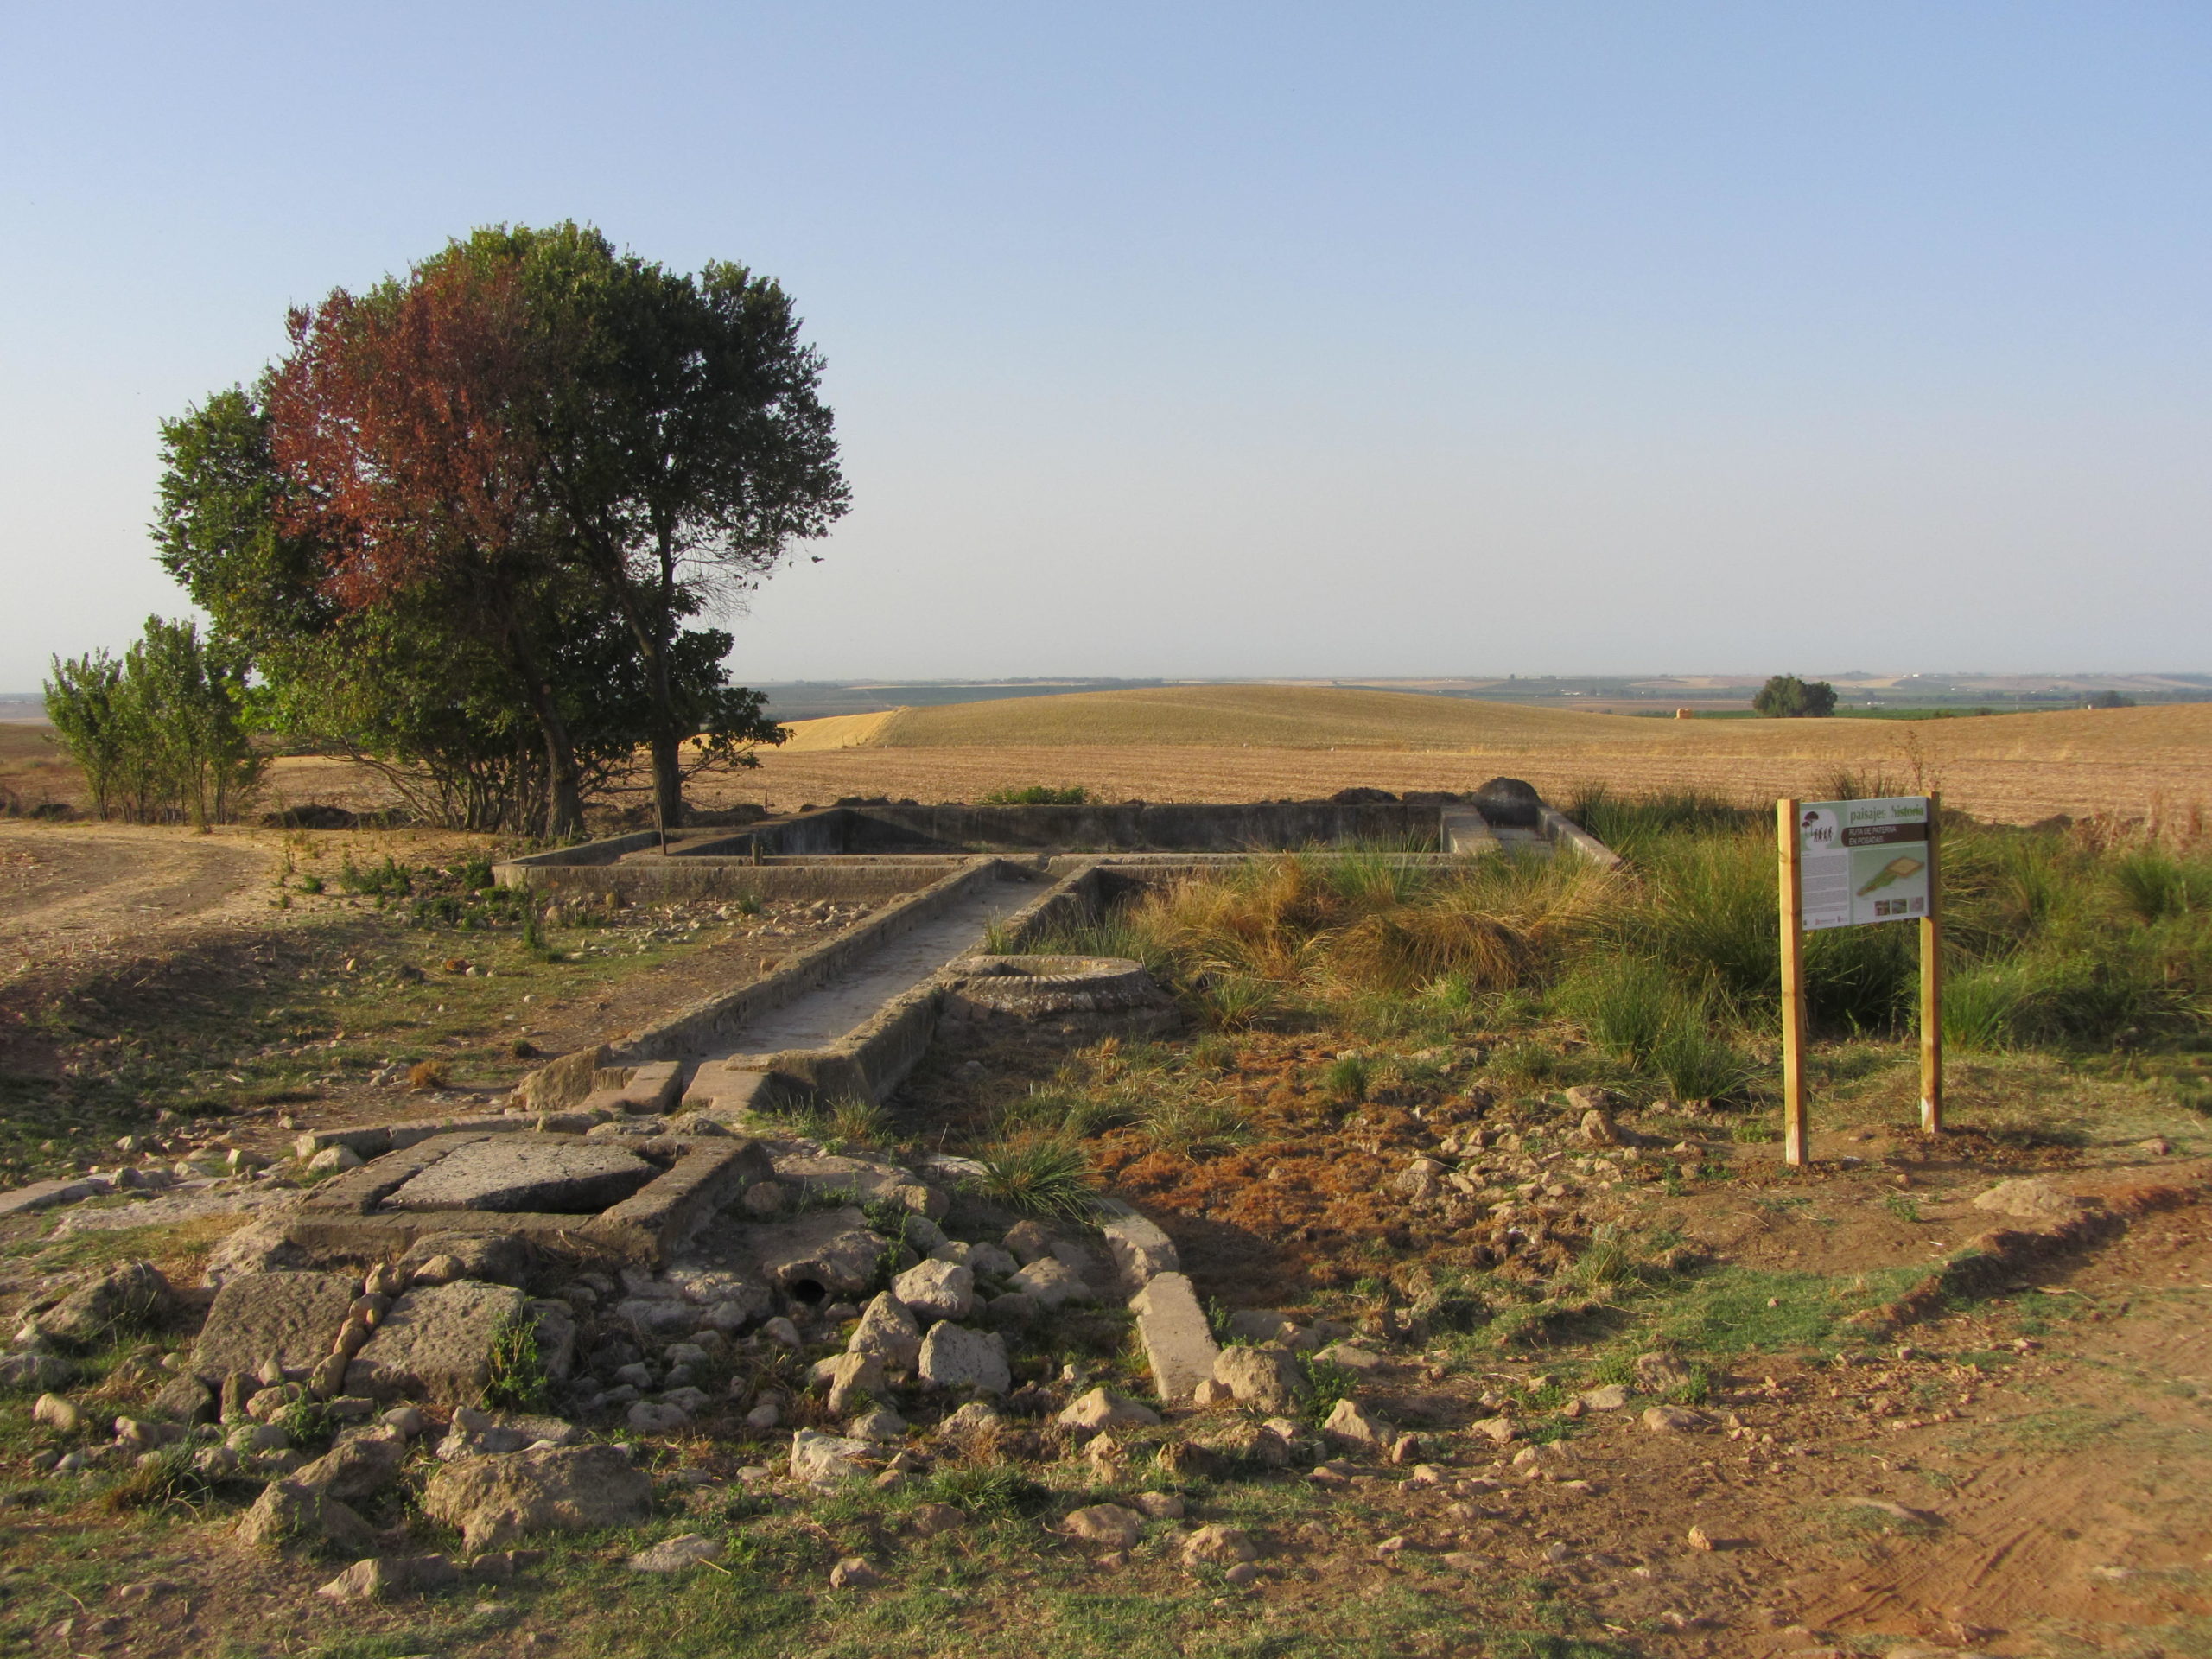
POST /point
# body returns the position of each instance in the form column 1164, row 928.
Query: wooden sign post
column 1795, row 1141
column 1931, row 982
column 1852, row 864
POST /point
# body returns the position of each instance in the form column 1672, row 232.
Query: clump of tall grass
column 1047, row 1175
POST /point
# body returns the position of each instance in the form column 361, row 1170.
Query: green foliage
column 1784, row 696
column 165, row 732
column 519, row 1380
column 679, row 445
column 1036, row 795
column 856, row 1120
column 1326, row 1384
column 1347, row 1079
column 1039, row 1175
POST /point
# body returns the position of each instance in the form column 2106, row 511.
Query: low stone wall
column 652, row 879
column 710, row 1023
column 1126, row 826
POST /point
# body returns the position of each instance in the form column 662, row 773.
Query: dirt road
column 75, row 891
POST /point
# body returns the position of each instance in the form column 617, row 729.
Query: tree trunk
column 667, row 743
column 564, row 798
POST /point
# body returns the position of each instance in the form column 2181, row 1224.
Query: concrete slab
column 526, row 1172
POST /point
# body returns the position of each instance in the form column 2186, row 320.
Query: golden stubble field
column 1257, row 742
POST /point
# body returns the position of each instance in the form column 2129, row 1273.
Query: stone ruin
column 628, row 1240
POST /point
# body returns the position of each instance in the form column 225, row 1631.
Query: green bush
column 165, row 732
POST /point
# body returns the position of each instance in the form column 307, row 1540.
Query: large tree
column 685, row 445
column 496, row 491
column 404, row 420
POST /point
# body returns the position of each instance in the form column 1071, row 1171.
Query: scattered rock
column 1613, row 1396
column 1500, row 1429
column 1052, row 1283
column 493, row 1258
column 1158, row 1506
column 888, row 1331
column 288, row 1516
column 581, row 1488
column 383, row 1578
column 1104, row 1523
column 1266, row 1377
column 936, row 1290
column 55, row 1413
column 1700, row 1539
column 1101, row 1409
column 511, row 1173
column 1348, row 1421
column 125, row 1298
column 2031, row 1198
column 1673, row 1419
column 829, row 1250
column 853, row 1377
column 329, row 1161
column 1215, row 1546
column 676, row 1554
column 825, row 1459
column 853, row 1573
column 954, row 1356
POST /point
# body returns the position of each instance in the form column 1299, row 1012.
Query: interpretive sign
column 1863, row 861
column 1850, row 864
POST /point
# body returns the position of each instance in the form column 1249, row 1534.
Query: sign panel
column 1863, row 861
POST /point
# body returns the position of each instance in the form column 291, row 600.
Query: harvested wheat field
column 1243, row 742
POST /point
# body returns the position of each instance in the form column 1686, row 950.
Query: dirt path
column 72, row 891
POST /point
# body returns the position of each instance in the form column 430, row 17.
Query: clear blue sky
column 1233, row 339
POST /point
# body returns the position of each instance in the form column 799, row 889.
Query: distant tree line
column 1787, row 697
column 464, row 531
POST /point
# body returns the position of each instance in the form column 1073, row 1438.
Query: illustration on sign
column 1863, row 861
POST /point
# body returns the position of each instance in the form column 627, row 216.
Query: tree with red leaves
column 408, row 422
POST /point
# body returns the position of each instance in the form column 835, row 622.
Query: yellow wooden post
column 1931, row 983
column 1796, row 1147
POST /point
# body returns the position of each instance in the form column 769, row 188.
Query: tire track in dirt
column 2093, row 1521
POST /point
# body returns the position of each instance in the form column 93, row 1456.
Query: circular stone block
column 518, row 1172
column 1034, row 987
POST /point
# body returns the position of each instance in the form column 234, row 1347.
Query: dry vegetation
column 1262, row 742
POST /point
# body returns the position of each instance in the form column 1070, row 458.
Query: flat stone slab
column 293, row 1316
column 1177, row 1344
column 514, row 1173
column 435, row 1344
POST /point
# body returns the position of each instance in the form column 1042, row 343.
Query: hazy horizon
column 1263, row 343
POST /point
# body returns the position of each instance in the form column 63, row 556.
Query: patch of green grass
column 1734, row 1310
